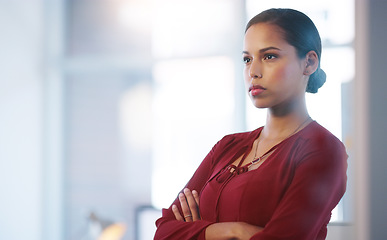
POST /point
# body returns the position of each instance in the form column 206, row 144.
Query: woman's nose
column 255, row 71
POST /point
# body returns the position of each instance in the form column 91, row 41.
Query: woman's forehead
column 263, row 35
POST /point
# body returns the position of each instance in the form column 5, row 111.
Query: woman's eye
column 246, row 60
column 269, row 57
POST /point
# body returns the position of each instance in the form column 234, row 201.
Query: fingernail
column 194, row 192
column 186, row 190
column 174, row 207
column 181, row 195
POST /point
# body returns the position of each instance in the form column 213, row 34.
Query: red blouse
column 291, row 194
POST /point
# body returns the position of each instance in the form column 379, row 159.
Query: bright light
column 135, row 15
column 135, row 117
column 193, row 108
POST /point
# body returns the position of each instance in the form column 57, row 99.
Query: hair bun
column 316, row 80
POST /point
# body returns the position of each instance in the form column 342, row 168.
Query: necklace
column 232, row 170
column 256, row 159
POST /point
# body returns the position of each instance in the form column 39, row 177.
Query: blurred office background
column 108, row 106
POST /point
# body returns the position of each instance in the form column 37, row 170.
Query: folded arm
column 189, row 202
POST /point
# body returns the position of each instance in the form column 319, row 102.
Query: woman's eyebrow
column 268, row 48
column 264, row 50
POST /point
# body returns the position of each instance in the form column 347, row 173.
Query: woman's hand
column 189, row 202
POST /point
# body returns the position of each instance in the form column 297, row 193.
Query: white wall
column 340, row 232
column 21, row 120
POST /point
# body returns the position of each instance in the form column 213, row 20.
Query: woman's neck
column 286, row 123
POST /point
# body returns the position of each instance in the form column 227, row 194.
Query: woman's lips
column 256, row 90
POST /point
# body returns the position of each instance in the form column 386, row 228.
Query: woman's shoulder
column 242, row 136
column 318, row 137
column 317, row 132
column 237, row 140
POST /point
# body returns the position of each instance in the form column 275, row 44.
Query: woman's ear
column 311, row 63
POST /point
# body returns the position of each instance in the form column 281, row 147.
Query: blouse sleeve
column 170, row 228
column 318, row 184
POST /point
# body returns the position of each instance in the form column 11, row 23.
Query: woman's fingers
column 196, row 197
column 176, row 212
column 189, row 202
column 185, row 208
column 193, row 206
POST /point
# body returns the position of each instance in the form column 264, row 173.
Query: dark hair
column 300, row 32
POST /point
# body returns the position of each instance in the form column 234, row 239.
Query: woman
column 280, row 181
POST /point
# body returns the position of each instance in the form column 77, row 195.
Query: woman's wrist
column 231, row 231
column 224, row 231
column 221, row 231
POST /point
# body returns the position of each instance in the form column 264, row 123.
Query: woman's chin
column 258, row 104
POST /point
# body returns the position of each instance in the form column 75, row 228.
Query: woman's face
column 274, row 74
